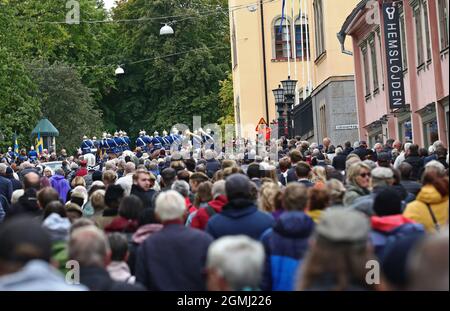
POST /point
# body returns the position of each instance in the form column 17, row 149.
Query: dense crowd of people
column 169, row 220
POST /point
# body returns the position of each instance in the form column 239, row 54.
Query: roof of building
column 343, row 32
column 45, row 128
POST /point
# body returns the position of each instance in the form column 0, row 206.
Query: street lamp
column 289, row 87
column 166, row 30
column 279, row 102
column 119, row 71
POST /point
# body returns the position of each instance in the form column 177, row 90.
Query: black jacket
column 212, row 166
column 417, row 165
column 361, row 152
column 411, row 186
column 292, row 175
column 15, row 183
column 98, row 279
column 145, row 196
column 307, row 183
column 6, row 188
column 173, row 259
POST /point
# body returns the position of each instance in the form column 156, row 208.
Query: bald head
column 89, row 246
column 31, row 180
column 130, row 167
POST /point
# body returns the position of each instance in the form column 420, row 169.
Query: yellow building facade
column 263, row 49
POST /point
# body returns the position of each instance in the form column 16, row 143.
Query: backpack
column 210, row 210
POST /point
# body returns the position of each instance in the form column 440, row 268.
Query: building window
column 373, row 59
column 319, row 27
column 366, row 69
column 403, row 42
column 233, row 35
column 419, row 37
column 405, row 131
column 282, row 39
column 302, row 37
column 431, row 133
column 443, row 23
column 427, row 30
column 323, row 121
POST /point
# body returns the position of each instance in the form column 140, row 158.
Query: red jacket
column 389, row 223
column 201, row 218
column 121, row 224
column 82, row 172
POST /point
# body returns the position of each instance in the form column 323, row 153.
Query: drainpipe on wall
column 263, row 35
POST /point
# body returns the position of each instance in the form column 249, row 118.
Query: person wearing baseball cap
column 338, row 253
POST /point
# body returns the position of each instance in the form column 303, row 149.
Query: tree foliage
column 156, row 91
column 67, row 102
column 164, row 91
column 19, row 109
column 226, row 96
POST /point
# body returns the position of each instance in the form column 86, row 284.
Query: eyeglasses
column 364, row 175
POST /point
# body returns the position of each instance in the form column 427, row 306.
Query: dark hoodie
column 285, row 245
column 239, row 216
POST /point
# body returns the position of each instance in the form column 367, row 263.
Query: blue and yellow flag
column 39, row 143
column 16, row 145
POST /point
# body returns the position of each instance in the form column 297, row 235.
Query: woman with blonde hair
column 109, row 177
column 336, row 190
column 358, row 182
column 78, row 181
column 267, row 195
column 319, row 175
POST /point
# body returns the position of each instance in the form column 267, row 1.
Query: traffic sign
column 261, row 122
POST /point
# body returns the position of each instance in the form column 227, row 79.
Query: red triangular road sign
column 262, row 121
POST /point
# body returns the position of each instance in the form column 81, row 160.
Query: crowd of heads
column 311, row 219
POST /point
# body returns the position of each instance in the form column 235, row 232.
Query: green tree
column 226, row 102
column 38, row 29
column 19, row 109
column 66, row 102
column 163, row 91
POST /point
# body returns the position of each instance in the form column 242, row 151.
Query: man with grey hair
column 173, row 258
column 182, row 187
column 126, row 181
column 6, row 187
column 235, row 263
column 382, row 177
column 110, row 165
column 435, row 165
column 401, row 157
column 437, row 144
column 214, row 206
column 89, row 246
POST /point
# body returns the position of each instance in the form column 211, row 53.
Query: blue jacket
column 2, row 212
column 173, row 259
column 212, row 166
column 6, row 188
column 388, row 229
column 285, row 245
column 239, row 216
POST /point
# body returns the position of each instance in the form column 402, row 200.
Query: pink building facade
column 425, row 61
